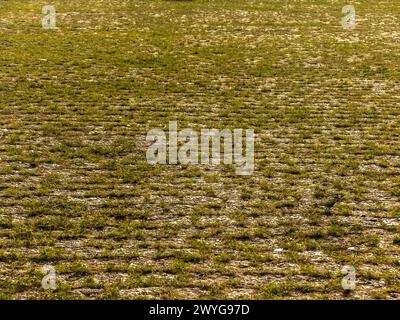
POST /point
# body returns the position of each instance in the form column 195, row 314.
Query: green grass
column 76, row 191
